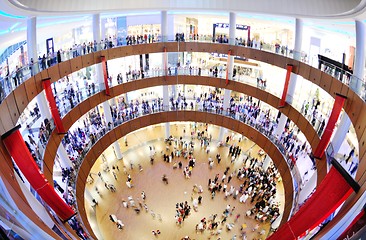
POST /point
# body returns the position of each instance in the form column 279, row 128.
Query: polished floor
column 161, row 198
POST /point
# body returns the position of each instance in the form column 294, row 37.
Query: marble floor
column 161, row 198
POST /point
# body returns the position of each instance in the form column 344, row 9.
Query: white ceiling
column 333, row 15
column 303, row 8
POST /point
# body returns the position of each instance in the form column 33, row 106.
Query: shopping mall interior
column 182, row 120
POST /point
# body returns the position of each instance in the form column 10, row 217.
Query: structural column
column 324, row 141
column 266, row 162
column 46, row 83
column 297, row 56
column 226, row 106
column 166, row 108
column 43, row 106
column 281, row 125
column 359, row 64
column 340, row 135
column 109, row 119
column 164, row 26
column 96, row 37
column 355, row 84
column 16, row 147
column 32, row 43
column 230, row 57
column 64, row 157
column 232, row 28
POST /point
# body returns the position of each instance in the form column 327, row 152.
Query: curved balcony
column 16, row 101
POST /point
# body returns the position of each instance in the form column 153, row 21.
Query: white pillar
column 232, row 36
column 64, row 157
column 227, row 97
column 298, row 39
column 356, row 84
column 96, row 27
column 32, row 39
column 107, row 112
column 167, row 129
column 88, row 196
column 117, row 150
column 222, row 133
column 127, row 98
column 281, row 125
column 266, row 163
column 103, row 33
column 164, row 26
column 232, row 28
column 166, row 97
column 108, row 118
column 359, row 64
column 96, row 37
column 297, row 56
column 43, row 105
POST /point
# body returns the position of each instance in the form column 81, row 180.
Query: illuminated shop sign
column 226, row 25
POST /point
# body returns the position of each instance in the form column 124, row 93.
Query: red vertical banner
column 329, row 195
column 285, row 87
column 16, row 147
column 46, row 83
column 105, row 74
column 248, row 35
column 336, row 111
column 228, row 66
column 165, row 71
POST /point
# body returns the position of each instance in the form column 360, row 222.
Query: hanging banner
column 46, row 83
column 285, row 87
column 327, row 134
column 329, row 195
column 105, row 74
column 16, row 147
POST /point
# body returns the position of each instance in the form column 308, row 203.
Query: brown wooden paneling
column 54, row 73
column 66, row 120
column 97, row 149
column 304, row 70
column 336, row 87
column 64, row 68
column 44, row 74
column 310, row 133
column 12, row 107
column 315, row 75
column 360, row 124
column 325, row 82
column 38, row 82
column 21, row 98
column 345, row 90
column 76, row 113
column 95, row 100
column 349, row 108
column 114, row 53
column 76, row 64
column 30, row 87
column 48, row 169
column 294, row 115
column 87, row 60
column 105, row 141
column 105, row 54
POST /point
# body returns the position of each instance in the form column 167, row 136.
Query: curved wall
column 98, row 98
column 156, row 118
